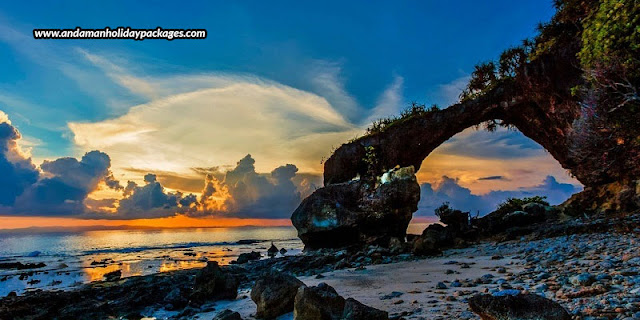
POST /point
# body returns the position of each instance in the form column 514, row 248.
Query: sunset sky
column 231, row 130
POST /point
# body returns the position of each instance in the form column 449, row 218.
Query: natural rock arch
column 408, row 143
column 351, row 210
column 355, row 206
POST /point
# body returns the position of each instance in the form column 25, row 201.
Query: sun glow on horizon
column 179, row 221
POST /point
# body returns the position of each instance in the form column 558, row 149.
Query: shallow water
column 75, row 258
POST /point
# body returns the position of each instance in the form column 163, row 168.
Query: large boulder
column 433, row 240
column 212, row 283
column 355, row 310
column 517, row 307
column 274, row 294
column 359, row 211
column 246, row 257
column 323, row 303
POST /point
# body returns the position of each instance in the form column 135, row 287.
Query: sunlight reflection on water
column 75, row 258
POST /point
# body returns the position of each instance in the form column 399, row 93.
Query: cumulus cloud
column 473, row 155
column 249, row 194
column 17, row 172
column 61, row 187
column 147, row 201
column 65, row 184
column 241, row 193
column 57, row 187
column 449, row 190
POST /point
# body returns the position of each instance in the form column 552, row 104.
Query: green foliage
column 492, row 125
column 565, row 27
column 607, row 134
column 443, row 210
column 512, row 61
column 612, row 35
column 371, row 160
column 483, row 77
column 412, row 110
column 515, row 204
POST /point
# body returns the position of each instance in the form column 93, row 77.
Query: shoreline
column 548, row 267
column 603, row 253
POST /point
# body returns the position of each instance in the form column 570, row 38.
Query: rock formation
column 212, row 282
column 517, row 307
column 322, row 302
column 274, row 294
column 358, row 211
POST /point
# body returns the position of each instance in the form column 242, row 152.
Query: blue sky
column 285, row 82
column 427, row 43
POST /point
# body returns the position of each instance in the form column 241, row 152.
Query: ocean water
column 75, row 258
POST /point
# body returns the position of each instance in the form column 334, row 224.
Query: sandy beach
column 438, row 288
column 415, row 280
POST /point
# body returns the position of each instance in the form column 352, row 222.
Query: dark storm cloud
column 461, row 198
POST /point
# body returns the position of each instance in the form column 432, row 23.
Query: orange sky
column 8, row 222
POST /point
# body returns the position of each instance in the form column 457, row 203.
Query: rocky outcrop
column 500, row 221
column 128, row 298
column 212, row 283
column 246, row 257
column 324, row 303
column 355, row 310
column 113, row 276
column 613, row 198
column 321, row 302
column 274, row 294
column 358, row 211
column 517, row 307
column 433, row 239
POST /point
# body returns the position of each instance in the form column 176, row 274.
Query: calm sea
column 75, row 258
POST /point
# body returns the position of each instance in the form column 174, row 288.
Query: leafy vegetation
column 612, row 36
column 608, row 133
column 516, row 204
column 601, row 38
column 483, row 78
column 412, row 110
column 371, row 160
column 443, row 210
column 452, row 217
